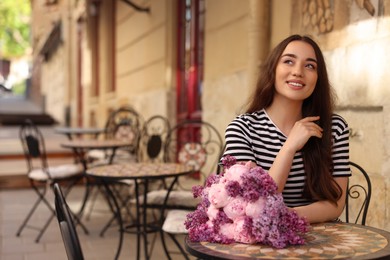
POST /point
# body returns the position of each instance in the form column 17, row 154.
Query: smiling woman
column 289, row 130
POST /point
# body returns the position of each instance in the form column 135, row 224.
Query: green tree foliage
column 14, row 27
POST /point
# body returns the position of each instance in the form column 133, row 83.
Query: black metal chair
column 67, row 226
column 358, row 195
column 151, row 149
column 41, row 175
column 195, row 143
column 152, row 140
column 152, row 143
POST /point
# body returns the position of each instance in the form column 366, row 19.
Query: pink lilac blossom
column 218, row 196
column 243, row 205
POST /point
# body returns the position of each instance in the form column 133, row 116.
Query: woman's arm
column 297, row 138
column 322, row 211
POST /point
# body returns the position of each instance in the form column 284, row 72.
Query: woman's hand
column 302, row 131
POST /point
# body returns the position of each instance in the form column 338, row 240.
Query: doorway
column 190, row 58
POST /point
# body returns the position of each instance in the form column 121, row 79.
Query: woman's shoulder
column 250, row 117
column 337, row 119
column 248, row 121
column 339, row 124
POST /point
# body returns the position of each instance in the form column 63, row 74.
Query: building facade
column 92, row 56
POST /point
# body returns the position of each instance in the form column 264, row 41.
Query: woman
column 289, row 129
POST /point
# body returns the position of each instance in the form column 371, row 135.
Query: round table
column 332, row 240
column 141, row 173
column 81, row 145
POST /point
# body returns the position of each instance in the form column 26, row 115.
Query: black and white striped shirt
column 254, row 137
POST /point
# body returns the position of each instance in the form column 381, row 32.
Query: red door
column 79, row 73
column 190, row 64
column 190, row 59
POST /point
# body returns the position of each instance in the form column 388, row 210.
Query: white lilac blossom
column 243, row 205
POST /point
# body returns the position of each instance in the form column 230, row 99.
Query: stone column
column 259, row 37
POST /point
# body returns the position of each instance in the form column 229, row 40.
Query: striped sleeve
column 238, row 140
column 340, row 151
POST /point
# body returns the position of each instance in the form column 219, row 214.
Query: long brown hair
column 317, row 152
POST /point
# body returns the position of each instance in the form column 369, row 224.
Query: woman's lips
column 296, row 84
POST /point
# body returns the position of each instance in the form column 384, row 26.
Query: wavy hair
column 317, row 152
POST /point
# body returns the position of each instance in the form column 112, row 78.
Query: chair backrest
column 358, row 195
column 67, row 227
column 125, row 124
column 33, row 145
column 153, row 138
column 195, row 143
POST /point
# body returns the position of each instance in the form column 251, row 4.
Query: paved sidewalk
column 14, row 205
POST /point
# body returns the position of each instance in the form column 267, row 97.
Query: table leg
column 145, row 224
column 112, row 156
column 138, row 217
column 85, row 198
column 118, row 215
column 162, row 217
column 142, row 228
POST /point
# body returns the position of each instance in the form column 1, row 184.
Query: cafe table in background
column 80, row 146
column 70, row 132
column 79, row 133
column 331, row 240
column 141, row 174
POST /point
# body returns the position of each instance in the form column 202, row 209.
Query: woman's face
column 296, row 72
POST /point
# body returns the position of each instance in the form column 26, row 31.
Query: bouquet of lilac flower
column 243, row 205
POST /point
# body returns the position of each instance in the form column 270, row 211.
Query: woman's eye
column 288, row 61
column 311, row 66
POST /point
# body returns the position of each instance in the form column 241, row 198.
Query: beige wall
column 144, row 57
column 226, row 60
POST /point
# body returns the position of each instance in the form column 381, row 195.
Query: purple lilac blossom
column 275, row 225
column 197, row 191
column 214, row 178
column 228, row 161
column 233, row 188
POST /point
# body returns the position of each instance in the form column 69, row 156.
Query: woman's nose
column 297, row 71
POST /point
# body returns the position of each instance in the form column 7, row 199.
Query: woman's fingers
column 310, row 119
column 309, row 128
column 303, row 130
column 310, row 123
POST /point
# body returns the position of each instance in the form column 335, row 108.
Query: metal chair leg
column 164, row 244
column 182, row 251
column 124, row 204
column 45, row 227
column 32, row 210
column 41, row 198
column 93, row 193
